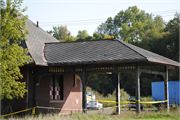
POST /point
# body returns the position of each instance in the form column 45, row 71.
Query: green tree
column 13, row 31
column 89, row 38
column 101, row 83
column 145, row 83
column 108, row 37
column 165, row 43
column 92, row 82
column 61, row 32
column 82, row 35
column 130, row 25
column 152, row 40
column 69, row 39
column 172, row 37
column 98, row 36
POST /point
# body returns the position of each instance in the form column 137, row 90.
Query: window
column 56, row 87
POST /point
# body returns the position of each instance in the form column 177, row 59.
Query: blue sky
column 89, row 14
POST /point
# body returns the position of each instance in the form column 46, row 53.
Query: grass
column 75, row 116
column 149, row 115
column 147, row 105
column 125, row 115
column 158, row 116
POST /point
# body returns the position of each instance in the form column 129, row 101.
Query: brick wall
column 72, row 95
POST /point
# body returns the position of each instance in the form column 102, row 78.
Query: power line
column 85, row 23
column 167, row 11
column 97, row 21
column 168, row 15
column 76, row 20
column 72, row 24
column 90, row 20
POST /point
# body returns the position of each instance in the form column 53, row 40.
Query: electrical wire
column 76, row 20
column 167, row 11
column 73, row 24
column 99, row 21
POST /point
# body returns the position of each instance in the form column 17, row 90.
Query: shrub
column 147, row 105
column 110, row 97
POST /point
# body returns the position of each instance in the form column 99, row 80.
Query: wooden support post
column 166, row 89
column 138, row 110
column 35, row 92
column 118, row 94
column 34, row 73
column 84, row 93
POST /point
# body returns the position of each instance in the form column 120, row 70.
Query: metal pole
column 84, row 93
column 166, row 89
column 118, row 94
column 138, row 111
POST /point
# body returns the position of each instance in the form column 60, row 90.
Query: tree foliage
column 101, row 83
column 13, row 31
column 131, row 25
column 172, row 38
column 82, row 35
column 60, row 32
column 98, row 36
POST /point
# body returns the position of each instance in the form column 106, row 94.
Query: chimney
column 37, row 24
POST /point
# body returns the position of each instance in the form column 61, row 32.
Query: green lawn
column 125, row 115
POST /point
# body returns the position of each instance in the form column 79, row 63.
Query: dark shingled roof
column 100, row 51
column 35, row 42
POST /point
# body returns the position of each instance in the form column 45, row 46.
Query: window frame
column 60, row 85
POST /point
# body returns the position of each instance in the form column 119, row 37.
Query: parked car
column 133, row 105
column 94, row 104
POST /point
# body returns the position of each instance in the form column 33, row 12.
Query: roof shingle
column 35, row 42
column 99, row 51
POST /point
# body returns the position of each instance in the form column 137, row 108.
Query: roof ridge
column 124, row 43
column 81, row 41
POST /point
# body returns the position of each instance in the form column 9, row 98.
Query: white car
column 94, row 104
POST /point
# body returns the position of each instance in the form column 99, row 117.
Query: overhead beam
column 151, row 72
